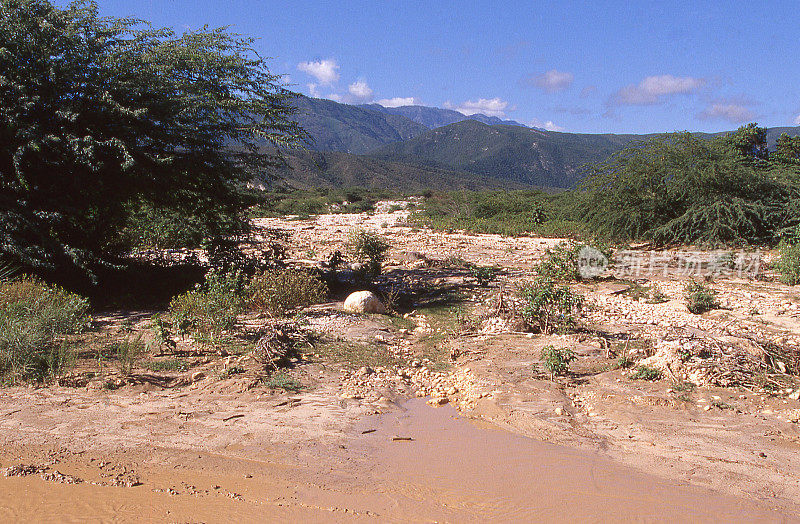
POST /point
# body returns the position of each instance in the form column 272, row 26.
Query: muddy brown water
column 473, row 470
column 415, row 464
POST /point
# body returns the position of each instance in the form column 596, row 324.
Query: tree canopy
column 101, row 118
column 681, row 188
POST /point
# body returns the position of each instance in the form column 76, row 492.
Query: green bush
column 789, row 263
column 549, row 307
column 561, row 263
column 127, row 352
column 557, row 361
column 700, row 298
column 34, row 318
column 646, row 373
column 369, row 248
column 483, row 274
column 212, row 307
column 277, row 291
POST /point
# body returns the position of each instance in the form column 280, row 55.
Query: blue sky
column 594, row 67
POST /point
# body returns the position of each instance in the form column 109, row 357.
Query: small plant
column 278, row 291
column 624, row 361
column 284, row 381
column 557, row 360
column 161, row 333
column 127, row 352
column 484, row 274
column 561, row 263
column 683, row 389
column 370, row 249
column 700, row 298
column 212, row 307
column 35, row 318
column 789, row 263
column 549, row 307
column 231, row 371
column 720, row 404
column 646, row 373
column 657, row 296
column 172, row 364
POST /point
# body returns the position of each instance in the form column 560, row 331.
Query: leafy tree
column 101, row 117
column 680, row 188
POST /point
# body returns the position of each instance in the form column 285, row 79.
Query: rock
column 363, row 302
column 197, row 376
column 795, row 395
column 559, row 411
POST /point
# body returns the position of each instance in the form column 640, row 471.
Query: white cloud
column 335, row 97
column 654, row 89
column 360, row 91
column 323, row 70
column 399, row 101
column 313, row 90
column 549, row 125
column 485, row 106
column 796, row 120
column 552, row 81
column 734, row 113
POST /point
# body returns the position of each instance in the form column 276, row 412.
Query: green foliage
column 789, row 263
column 278, row 291
column 484, row 274
column 560, row 263
column 369, row 248
column 548, row 306
column 128, row 352
column 557, row 360
column 284, row 381
column 681, row 188
column 212, row 307
column 172, row 364
column 645, row 373
column 700, row 298
column 102, row 118
column 510, row 213
column 34, row 318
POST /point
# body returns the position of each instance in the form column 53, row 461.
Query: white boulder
column 364, row 302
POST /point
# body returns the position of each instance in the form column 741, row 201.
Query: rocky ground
column 722, row 415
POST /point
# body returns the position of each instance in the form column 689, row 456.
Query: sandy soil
column 508, row 443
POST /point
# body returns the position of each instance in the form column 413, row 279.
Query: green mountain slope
column 351, row 129
column 336, row 169
column 509, row 153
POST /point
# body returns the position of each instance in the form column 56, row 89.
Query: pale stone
column 364, row 302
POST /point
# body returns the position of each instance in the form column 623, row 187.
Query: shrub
column 646, row 373
column 172, row 364
column 34, row 318
column 280, row 380
column 789, row 263
column 561, row 263
column 127, row 352
column 483, row 274
column 557, row 361
column 211, row 308
column 369, row 248
column 277, row 291
column 700, row 298
column 548, row 306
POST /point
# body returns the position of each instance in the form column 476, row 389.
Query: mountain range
column 417, row 147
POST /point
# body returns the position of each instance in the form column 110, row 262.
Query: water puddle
column 459, row 469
